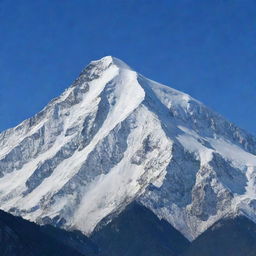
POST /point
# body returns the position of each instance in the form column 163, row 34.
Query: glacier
column 114, row 137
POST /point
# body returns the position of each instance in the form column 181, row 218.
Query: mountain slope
column 233, row 236
column 115, row 137
column 23, row 238
column 137, row 231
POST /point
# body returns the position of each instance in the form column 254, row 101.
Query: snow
column 233, row 153
column 192, row 145
column 171, row 153
column 122, row 183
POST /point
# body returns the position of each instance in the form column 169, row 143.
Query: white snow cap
column 115, row 136
column 107, row 60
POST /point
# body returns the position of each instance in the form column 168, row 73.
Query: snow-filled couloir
column 115, row 136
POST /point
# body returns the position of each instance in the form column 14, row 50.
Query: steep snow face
column 115, row 136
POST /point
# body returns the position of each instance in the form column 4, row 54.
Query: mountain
column 232, row 236
column 19, row 237
column 137, row 231
column 115, row 137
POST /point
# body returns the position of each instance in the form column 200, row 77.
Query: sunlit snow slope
column 115, row 136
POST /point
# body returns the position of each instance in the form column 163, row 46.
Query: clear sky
column 206, row 48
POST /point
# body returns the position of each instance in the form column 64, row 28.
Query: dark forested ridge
column 234, row 237
column 137, row 231
column 19, row 237
column 134, row 232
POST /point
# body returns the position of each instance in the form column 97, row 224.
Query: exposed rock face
column 115, row 137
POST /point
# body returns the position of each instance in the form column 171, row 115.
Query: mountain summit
column 115, row 137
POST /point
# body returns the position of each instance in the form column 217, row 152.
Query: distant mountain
column 115, row 137
column 137, row 231
column 19, row 237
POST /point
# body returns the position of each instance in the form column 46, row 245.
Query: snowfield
column 115, row 136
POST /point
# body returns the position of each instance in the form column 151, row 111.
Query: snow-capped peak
column 115, row 136
column 110, row 60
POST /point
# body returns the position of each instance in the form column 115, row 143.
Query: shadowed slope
column 137, row 231
column 19, row 237
column 236, row 237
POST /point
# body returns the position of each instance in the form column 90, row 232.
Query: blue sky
column 206, row 48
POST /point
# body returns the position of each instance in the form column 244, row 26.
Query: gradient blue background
column 206, row 48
